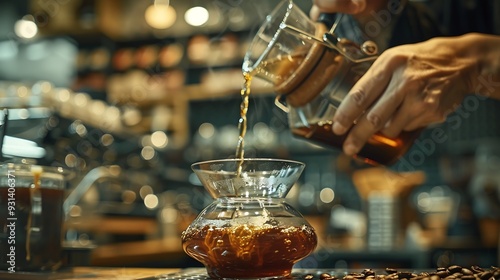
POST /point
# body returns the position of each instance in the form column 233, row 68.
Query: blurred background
column 147, row 88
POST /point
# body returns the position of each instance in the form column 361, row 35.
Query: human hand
column 359, row 8
column 407, row 87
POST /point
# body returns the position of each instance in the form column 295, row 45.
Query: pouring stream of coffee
column 242, row 123
column 245, row 92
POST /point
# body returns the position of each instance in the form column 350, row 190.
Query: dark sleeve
column 465, row 16
column 417, row 23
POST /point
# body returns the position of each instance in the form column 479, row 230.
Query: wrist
column 484, row 51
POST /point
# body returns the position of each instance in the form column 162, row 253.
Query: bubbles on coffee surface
column 247, row 249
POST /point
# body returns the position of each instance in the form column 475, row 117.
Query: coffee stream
column 242, row 123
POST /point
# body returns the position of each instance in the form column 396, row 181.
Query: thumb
column 314, row 13
column 339, row 6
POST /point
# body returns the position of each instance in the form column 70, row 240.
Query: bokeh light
column 196, row 16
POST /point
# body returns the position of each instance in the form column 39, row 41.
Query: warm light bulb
column 327, row 195
column 25, row 28
column 196, row 16
column 159, row 139
column 160, row 16
column 151, row 201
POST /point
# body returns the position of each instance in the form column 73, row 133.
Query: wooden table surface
column 118, row 273
column 87, row 273
column 130, row 253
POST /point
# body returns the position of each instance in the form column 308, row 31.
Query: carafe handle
column 366, row 52
column 330, row 20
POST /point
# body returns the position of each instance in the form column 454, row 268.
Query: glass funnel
column 249, row 231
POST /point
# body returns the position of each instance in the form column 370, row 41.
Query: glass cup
column 313, row 66
column 31, row 217
column 249, row 231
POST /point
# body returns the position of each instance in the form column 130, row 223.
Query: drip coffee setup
column 180, row 153
column 246, row 233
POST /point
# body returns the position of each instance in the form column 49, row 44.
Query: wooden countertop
column 87, row 273
column 130, row 253
column 118, row 273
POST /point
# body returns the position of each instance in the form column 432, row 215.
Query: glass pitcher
column 312, row 69
column 249, row 231
column 31, row 217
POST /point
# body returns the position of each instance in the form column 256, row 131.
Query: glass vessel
column 31, row 217
column 249, row 231
column 312, row 67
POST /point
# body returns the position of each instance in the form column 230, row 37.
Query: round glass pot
column 249, row 231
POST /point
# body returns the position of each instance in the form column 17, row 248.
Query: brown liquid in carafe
column 249, row 251
column 378, row 150
column 35, row 194
column 33, row 252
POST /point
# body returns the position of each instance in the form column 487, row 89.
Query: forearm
column 486, row 48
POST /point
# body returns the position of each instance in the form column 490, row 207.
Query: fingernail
column 338, row 129
column 350, row 149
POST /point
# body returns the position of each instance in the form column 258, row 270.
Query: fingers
column 429, row 114
column 407, row 103
column 337, row 6
column 406, row 100
column 402, row 119
column 421, row 108
column 376, row 117
column 314, row 13
column 362, row 95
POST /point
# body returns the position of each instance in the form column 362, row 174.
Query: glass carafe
column 312, row 66
column 249, row 231
column 31, row 217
